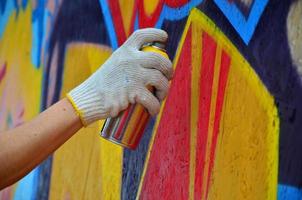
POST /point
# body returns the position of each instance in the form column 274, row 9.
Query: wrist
column 76, row 109
column 87, row 103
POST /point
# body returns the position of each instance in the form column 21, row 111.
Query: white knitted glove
column 123, row 78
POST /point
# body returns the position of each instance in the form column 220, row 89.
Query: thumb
column 143, row 36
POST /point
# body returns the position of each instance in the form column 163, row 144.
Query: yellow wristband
column 79, row 112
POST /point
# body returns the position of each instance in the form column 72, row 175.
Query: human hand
column 123, row 79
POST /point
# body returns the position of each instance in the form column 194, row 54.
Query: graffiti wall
column 230, row 128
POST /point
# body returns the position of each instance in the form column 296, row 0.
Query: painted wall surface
column 230, row 128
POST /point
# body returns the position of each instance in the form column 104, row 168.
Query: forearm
column 23, row 148
column 122, row 80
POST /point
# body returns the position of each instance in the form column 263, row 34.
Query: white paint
column 294, row 32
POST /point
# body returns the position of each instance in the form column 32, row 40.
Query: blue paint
column 166, row 13
column 136, row 26
column 5, row 14
column 24, row 4
column 27, row 187
column 35, row 51
column 39, row 19
column 244, row 27
column 42, row 189
column 38, row 24
column 50, row 18
column 174, row 14
column 2, row 6
column 289, row 192
column 109, row 24
column 18, row 6
column 6, row 10
column 133, row 164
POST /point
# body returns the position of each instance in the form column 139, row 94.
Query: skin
column 27, row 145
column 24, row 147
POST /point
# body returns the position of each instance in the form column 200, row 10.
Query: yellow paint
column 21, row 76
column 85, row 167
column 211, row 120
column 150, row 6
column 21, row 87
column 246, row 159
column 127, row 10
column 246, row 154
column 196, row 66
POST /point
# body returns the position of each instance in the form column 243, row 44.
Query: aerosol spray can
column 128, row 127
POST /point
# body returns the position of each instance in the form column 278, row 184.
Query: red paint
column 176, row 4
column 167, row 175
column 123, row 122
column 223, row 77
column 205, row 88
column 117, row 21
column 2, row 72
column 146, row 20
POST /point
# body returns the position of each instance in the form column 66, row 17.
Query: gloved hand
column 123, row 78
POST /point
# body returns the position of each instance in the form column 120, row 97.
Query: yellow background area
column 20, row 89
column 21, row 86
column 86, row 166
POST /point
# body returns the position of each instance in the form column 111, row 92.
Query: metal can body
column 128, row 127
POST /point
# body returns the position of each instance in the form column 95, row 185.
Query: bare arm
column 121, row 80
column 23, row 148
